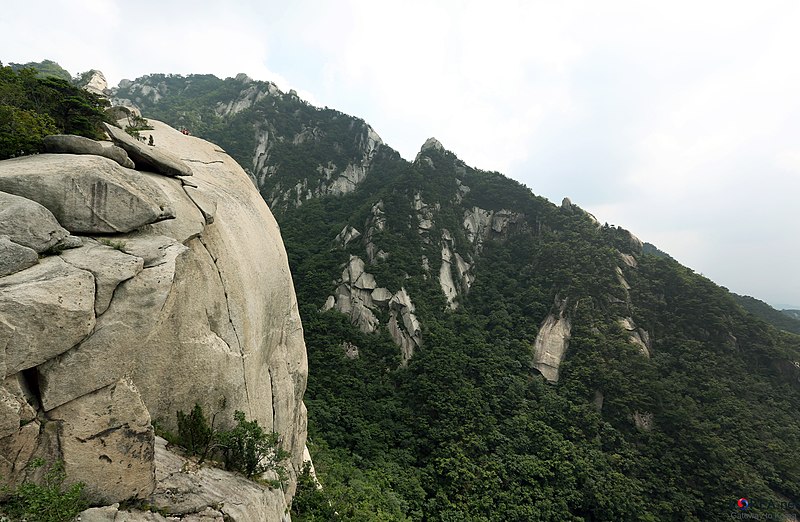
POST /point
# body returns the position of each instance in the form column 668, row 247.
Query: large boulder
column 110, row 267
column 28, row 223
column 71, row 144
column 107, row 443
column 199, row 309
column 146, row 157
column 15, row 257
column 86, row 194
column 116, row 347
column 47, row 309
column 198, row 494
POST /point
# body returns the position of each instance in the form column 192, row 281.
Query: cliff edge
column 128, row 295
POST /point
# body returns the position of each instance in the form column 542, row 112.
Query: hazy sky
column 679, row 121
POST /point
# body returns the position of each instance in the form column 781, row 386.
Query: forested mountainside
column 478, row 353
column 783, row 319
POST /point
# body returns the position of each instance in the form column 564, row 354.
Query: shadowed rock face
column 128, row 328
column 28, row 223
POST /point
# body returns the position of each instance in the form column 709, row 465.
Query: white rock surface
column 86, row 194
column 122, row 331
column 15, row 257
column 365, row 282
column 97, row 83
column 47, row 309
column 551, row 345
column 446, row 277
column 183, row 489
column 71, row 144
column 404, row 327
column 621, row 279
column 109, row 266
column 481, row 224
column 28, row 223
column 636, row 336
column 381, row 296
column 628, row 260
column 211, row 315
column 161, row 159
column 347, row 234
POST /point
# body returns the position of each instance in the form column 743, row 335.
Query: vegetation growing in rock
column 245, row 447
column 248, row 449
column 32, row 107
column 137, row 123
column 195, row 433
column 47, row 501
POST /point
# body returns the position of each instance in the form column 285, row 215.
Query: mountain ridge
column 504, row 321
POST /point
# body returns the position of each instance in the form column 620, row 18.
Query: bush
column 247, row 448
column 194, row 432
column 49, row 501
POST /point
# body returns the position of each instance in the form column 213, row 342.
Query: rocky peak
column 432, row 143
column 96, row 83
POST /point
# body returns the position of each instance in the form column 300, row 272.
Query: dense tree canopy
column 33, row 106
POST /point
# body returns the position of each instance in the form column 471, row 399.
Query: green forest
column 468, row 429
column 34, row 104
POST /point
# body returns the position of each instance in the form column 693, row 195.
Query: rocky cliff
column 128, row 295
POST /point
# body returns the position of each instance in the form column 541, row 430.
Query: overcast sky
column 679, row 121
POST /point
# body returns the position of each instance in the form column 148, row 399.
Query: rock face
column 96, row 83
column 15, row 257
column 480, row 224
column 50, row 309
column 86, row 194
column 107, row 443
column 146, row 157
column 69, row 144
column 28, row 223
column 359, row 296
column 403, row 325
column 99, row 341
column 197, row 494
column 551, row 343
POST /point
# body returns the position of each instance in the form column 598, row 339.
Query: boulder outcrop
column 144, row 317
column 146, row 157
column 86, row 194
column 70, row 144
column 197, row 494
column 481, row 224
column 28, row 223
column 15, row 257
column 359, row 297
